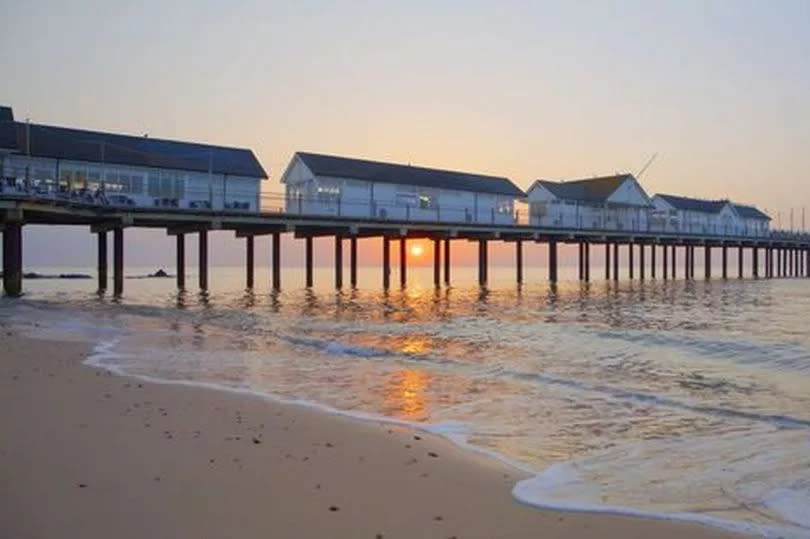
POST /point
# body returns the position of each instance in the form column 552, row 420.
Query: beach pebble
column 334, row 508
column 432, row 454
column 82, row 485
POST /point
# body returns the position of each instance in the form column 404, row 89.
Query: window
column 504, row 206
column 405, row 199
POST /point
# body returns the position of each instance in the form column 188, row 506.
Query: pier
column 783, row 255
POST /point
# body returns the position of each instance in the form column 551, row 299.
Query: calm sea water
column 684, row 399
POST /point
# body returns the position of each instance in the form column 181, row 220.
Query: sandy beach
column 88, row 454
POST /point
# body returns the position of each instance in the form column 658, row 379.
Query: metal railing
column 321, row 206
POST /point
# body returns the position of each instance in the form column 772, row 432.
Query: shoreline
column 101, row 455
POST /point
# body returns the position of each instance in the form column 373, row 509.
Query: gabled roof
column 694, row 204
column 750, row 212
column 374, row 171
column 596, row 190
column 81, row 145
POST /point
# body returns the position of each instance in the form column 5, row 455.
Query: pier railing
column 281, row 204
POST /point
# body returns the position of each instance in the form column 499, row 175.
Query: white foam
column 539, row 491
column 792, row 504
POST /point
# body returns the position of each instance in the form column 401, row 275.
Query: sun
column 417, row 250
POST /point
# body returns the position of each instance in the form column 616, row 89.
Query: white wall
column 142, row 184
column 626, row 209
column 318, row 195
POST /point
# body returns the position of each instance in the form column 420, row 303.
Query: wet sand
column 88, row 454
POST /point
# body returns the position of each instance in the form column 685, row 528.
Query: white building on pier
column 606, row 203
column 319, row 184
column 139, row 170
column 673, row 213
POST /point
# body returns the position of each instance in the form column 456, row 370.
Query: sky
column 528, row 90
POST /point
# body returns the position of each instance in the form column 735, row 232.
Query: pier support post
column 482, row 262
column 807, row 263
column 276, row 248
column 386, row 262
column 180, row 240
column 607, row 261
column 652, row 260
column 249, row 262
column 692, row 262
column 353, row 261
column 118, row 261
column 587, row 252
column 308, row 260
column 630, row 262
column 665, row 265
column 12, row 259
column 755, row 262
column 102, row 261
column 686, row 260
column 641, row 262
column 674, row 261
column 403, row 262
column 581, row 260
column 778, row 262
column 724, row 262
column 518, row 261
column 740, row 262
column 437, row 263
column 447, row 262
column 707, row 262
column 784, row 262
column 793, row 265
column 552, row 261
column 616, row 261
column 203, row 259
column 338, row 262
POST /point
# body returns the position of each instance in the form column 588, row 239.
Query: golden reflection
column 405, row 394
column 414, row 345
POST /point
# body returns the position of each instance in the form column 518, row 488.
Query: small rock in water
column 256, row 441
column 334, row 508
column 432, row 454
column 82, row 485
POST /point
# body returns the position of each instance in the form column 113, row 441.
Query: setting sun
column 417, row 250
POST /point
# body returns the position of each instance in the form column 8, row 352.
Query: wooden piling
column 308, row 260
column 403, row 262
column 338, row 262
column 482, row 262
column 707, row 261
column 552, row 261
column 249, row 262
column 447, row 262
column 102, row 260
column 353, row 261
column 203, row 259
column 437, row 262
column 12, row 259
column 118, row 261
column 386, row 262
column 276, row 248
column 519, row 261
column 180, row 240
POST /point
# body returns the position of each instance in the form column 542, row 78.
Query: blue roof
column 594, row 190
column 750, row 212
column 374, row 171
column 694, row 204
column 81, row 145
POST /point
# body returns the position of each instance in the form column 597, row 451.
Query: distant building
column 146, row 171
column 319, row 184
column 607, row 203
column 754, row 221
column 673, row 213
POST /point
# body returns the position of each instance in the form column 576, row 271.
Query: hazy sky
column 719, row 89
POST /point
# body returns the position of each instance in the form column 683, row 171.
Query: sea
column 686, row 400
